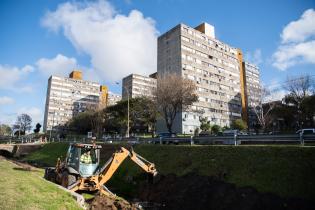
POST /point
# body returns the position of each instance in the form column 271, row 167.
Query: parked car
column 166, row 135
column 167, row 138
column 205, row 133
column 230, row 132
column 306, row 131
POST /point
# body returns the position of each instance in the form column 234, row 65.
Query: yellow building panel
column 76, row 74
column 104, row 95
column 243, row 86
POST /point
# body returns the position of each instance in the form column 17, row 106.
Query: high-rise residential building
column 66, row 97
column 253, row 92
column 214, row 66
column 138, row 85
column 113, row 98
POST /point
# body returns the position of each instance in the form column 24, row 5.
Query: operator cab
column 83, row 159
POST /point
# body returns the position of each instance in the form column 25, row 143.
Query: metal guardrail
column 197, row 140
column 224, row 140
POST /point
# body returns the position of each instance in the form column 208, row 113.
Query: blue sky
column 110, row 39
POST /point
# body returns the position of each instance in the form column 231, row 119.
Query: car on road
column 306, row 131
column 166, row 135
column 166, row 138
column 230, row 132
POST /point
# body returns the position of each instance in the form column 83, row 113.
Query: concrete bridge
column 18, row 150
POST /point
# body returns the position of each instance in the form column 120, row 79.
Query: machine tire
column 67, row 179
column 50, row 174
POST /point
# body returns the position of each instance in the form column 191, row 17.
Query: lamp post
column 127, row 135
column 52, row 126
column 128, row 107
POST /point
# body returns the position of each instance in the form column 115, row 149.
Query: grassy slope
column 49, row 154
column 20, row 189
column 283, row 170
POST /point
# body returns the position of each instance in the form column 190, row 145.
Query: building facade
column 253, row 92
column 66, row 97
column 138, row 85
column 113, row 99
column 215, row 67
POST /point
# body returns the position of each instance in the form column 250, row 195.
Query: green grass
column 22, row 189
column 288, row 171
column 49, row 154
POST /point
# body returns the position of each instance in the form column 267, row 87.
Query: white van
column 306, row 131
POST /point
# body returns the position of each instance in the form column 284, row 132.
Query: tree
column 215, row 129
column 299, row 98
column 239, row 124
column 5, row 130
column 81, row 123
column 37, row 128
column 23, row 123
column 142, row 116
column 204, row 124
column 263, row 110
column 174, row 94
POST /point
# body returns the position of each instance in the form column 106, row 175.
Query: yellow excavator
column 81, row 171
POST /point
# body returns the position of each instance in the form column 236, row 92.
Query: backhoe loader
column 81, row 171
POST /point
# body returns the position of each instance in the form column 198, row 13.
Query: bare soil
column 108, row 203
column 200, row 192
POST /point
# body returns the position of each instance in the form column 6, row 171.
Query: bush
column 239, row 124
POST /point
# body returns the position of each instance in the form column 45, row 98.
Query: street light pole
column 127, row 135
column 52, row 126
column 128, row 128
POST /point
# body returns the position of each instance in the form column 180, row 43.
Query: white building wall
column 67, row 97
column 212, row 65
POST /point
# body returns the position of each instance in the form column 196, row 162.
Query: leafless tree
column 23, row 123
column 299, row 87
column 174, row 94
column 263, row 113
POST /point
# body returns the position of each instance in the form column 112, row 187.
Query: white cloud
column 254, row 57
column 289, row 55
column 5, row 100
column 298, row 42
column 117, row 44
column 300, row 30
column 59, row 65
column 12, row 76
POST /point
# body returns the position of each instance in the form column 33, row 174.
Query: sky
column 109, row 40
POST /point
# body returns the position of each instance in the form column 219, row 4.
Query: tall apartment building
column 214, row 66
column 138, row 85
column 66, row 97
column 253, row 91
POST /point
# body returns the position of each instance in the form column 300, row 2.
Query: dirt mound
column 109, row 203
column 199, row 192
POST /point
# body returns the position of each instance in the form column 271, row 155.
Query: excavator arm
column 118, row 158
column 98, row 181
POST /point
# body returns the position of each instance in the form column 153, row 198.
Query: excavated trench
column 200, row 192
